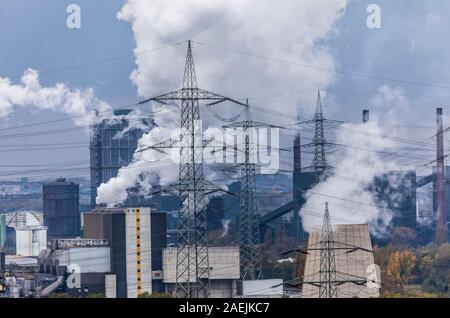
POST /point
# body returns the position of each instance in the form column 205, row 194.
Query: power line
column 104, row 61
column 323, row 69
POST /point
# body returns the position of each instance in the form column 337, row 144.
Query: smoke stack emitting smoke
column 366, row 116
column 230, row 74
column 347, row 189
column 202, row 21
column 233, row 75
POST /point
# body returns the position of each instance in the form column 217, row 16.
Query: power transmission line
column 322, row 69
column 104, row 61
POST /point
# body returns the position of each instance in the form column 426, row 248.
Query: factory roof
column 59, row 182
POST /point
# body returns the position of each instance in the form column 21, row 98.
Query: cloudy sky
column 398, row 71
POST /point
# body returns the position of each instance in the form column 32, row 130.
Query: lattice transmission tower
column 249, row 244
column 328, row 278
column 328, row 287
column 319, row 144
column 192, row 264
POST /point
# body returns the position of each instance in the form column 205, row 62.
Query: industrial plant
column 125, row 251
column 195, row 193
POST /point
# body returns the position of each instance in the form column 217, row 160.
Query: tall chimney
column 365, row 116
column 297, row 154
column 297, row 194
column 441, row 222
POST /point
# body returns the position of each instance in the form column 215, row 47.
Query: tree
column 434, row 268
column 60, row 295
column 381, row 256
column 95, row 295
column 399, row 270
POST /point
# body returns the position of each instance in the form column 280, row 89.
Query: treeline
column 413, row 271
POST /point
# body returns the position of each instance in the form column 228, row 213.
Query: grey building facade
column 119, row 226
column 61, row 209
column 112, row 146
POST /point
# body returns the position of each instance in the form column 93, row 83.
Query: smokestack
column 2, row 260
column 297, row 154
column 365, row 116
column 441, row 223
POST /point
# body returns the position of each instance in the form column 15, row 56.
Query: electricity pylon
column 328, row 287
column 192, row 264
column 329, row 278
column 249, row 245
column 319, row 143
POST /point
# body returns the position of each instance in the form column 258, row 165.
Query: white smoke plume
column 148, row 168
column 81, row 104
column 225, row 227
column 293, row 30
column 135, row 120
column 347, row 189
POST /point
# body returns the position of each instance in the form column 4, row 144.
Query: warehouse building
column 262, row 288
column 224, row 270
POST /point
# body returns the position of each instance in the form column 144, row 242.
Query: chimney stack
column 297, row 154
column 365, row 116
column 441, row 222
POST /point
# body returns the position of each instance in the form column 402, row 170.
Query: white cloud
column 30, row 93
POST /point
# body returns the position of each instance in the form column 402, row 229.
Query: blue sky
column 411, row 45
column 35, row 35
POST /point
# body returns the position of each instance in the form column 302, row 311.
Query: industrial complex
column 198, row 239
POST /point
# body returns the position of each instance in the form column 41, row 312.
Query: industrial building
column 91, row 256
column 2, row 231
column 17, row 276
column 447, row 193
column 137, row 237
column 112, row 146
column 351, row 268
column 397, row 190
column 2, row 260
column 303, row 179
column 61, row 209
column 262, row 288
column 124, row 252
column 23, row 233
column 225, row 282
column 89, row 259
column 224, row 270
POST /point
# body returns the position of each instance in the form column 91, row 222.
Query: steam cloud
column 148, row 168
column 348, row 190
column 293, row 33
